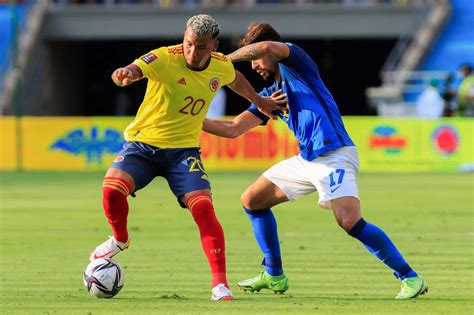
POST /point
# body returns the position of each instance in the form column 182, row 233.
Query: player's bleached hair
column 203, row 25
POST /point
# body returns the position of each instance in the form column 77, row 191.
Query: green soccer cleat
column 277, row 284
column 412, row 287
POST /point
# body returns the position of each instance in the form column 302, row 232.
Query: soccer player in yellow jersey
column 163, row 140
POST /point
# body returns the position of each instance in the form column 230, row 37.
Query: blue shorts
column 182, row 168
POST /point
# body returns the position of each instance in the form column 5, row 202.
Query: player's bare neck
column 199, row 68
column 277, row 76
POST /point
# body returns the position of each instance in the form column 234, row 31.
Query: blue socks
column 265, row 231
column 380, row 245
column 374, row 239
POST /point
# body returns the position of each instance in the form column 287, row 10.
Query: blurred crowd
column 453, row 96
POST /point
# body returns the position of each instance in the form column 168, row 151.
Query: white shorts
column 332, row 175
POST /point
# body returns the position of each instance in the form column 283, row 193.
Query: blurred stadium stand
column 77, row 44
column 19, row 29
column 441, row 45
column 12, row 20
column 455, row 45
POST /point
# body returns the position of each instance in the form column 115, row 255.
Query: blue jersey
column 312, row 113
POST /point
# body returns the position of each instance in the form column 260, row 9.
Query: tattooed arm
column 274, row 50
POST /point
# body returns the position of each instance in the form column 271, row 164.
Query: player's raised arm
column 126, row 75
column 242, row 87
column 270, row 49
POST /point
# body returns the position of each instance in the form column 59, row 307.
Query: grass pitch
column 51, row 221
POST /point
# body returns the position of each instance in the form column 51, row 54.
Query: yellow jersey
column 176, row 98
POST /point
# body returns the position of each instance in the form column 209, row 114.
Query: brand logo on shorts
column 119, row 158
column 334, row 189
column 214, row 84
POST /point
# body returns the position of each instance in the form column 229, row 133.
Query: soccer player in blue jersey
column 328, row 161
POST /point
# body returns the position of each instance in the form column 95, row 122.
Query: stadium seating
column 12, row 19
column 451, row 49
column 454, row 46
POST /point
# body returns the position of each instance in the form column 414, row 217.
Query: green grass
column 50, row 222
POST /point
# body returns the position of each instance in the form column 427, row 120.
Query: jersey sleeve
column 228, row 72
column 153, row 64
column 254, row 110
column 300, row 61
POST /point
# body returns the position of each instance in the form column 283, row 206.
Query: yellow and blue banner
column 385, row 144
column 413, row 145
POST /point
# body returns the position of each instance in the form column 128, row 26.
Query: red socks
column 212, row 235
column 115, row 192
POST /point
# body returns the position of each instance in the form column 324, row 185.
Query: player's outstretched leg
column 115, row 192
column 380, row 245
column 213, row 243
column 348, row 216
column 266, row 233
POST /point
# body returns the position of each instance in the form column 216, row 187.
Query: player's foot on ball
column 221, row 293
column 412, row 287
column 277, row 284
column 108, row 249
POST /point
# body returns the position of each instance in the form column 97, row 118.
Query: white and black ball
column 104, row 278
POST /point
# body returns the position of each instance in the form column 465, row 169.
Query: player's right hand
column 273, row 104
column 122, row 76
column 279, row 98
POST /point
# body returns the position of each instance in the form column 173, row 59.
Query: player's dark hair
column 466, row 67
column 259, row 32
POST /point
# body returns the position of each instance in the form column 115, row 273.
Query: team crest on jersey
column 149, row 58
column 214, row 84
column 119, row 158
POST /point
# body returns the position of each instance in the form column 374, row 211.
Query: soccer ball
column 104, row 278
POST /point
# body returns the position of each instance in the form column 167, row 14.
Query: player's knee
column 110, row 194
column 248, row 201
column 346, row 211
column 346, row 218
column 347, row 222
column 201, row 207
column 115, row 188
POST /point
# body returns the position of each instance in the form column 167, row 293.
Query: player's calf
column 212, row 235
column 115, row 192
